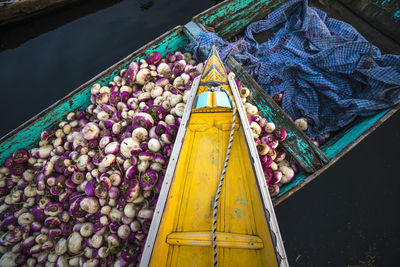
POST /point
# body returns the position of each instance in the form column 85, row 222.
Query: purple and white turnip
column 279, row 168
column 86, row 195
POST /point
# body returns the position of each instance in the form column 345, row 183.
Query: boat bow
column 247, row 233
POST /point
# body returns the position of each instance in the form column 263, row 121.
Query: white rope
column 221, row 180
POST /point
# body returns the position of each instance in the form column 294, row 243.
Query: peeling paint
column 396, row 16
column 380, row 3
column 238, row 212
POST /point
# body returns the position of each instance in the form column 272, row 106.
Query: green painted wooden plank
column 337, row 144
column 240, row 14
column 382, row 14
column 27, row 135
column 341, row 144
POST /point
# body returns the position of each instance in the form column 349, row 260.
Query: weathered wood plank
column 383, row 17
column 12, row 36
column 308, row 156
column 230, row 18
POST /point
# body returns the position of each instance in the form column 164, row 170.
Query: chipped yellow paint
column 184, row 234
column 213, row 73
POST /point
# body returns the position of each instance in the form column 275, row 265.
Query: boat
column 213, row 141
column 314, row 162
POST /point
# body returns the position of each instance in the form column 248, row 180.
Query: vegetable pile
column 278, row 166
column 86, row 195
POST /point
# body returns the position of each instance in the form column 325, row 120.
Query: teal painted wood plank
column 383, row 15
column 27, row 135
column 193, row 29
column 240, row 14
column 284, row 189
column 338, row 146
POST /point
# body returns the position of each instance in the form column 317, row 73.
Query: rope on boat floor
column 221, row 180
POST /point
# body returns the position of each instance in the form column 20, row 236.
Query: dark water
column 348, row 216
column 46, row 68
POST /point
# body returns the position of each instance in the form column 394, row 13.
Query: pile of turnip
column 86, row 195
column 278, row 166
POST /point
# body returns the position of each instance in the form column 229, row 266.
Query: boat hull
column 184, row 237
column 220, row 20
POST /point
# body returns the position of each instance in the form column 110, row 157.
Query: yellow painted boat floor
column 184, row 236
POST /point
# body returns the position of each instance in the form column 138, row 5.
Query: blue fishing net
column 328, row 72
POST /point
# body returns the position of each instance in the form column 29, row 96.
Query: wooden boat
column 246, row 229
column 228, row 19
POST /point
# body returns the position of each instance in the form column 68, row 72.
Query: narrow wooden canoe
column 229, row 19
column 247, row 231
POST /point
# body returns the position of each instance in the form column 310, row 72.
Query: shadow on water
column 15, row 34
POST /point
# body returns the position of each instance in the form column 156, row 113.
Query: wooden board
column 229, row 18
column 12, row 36
column 25, row 9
